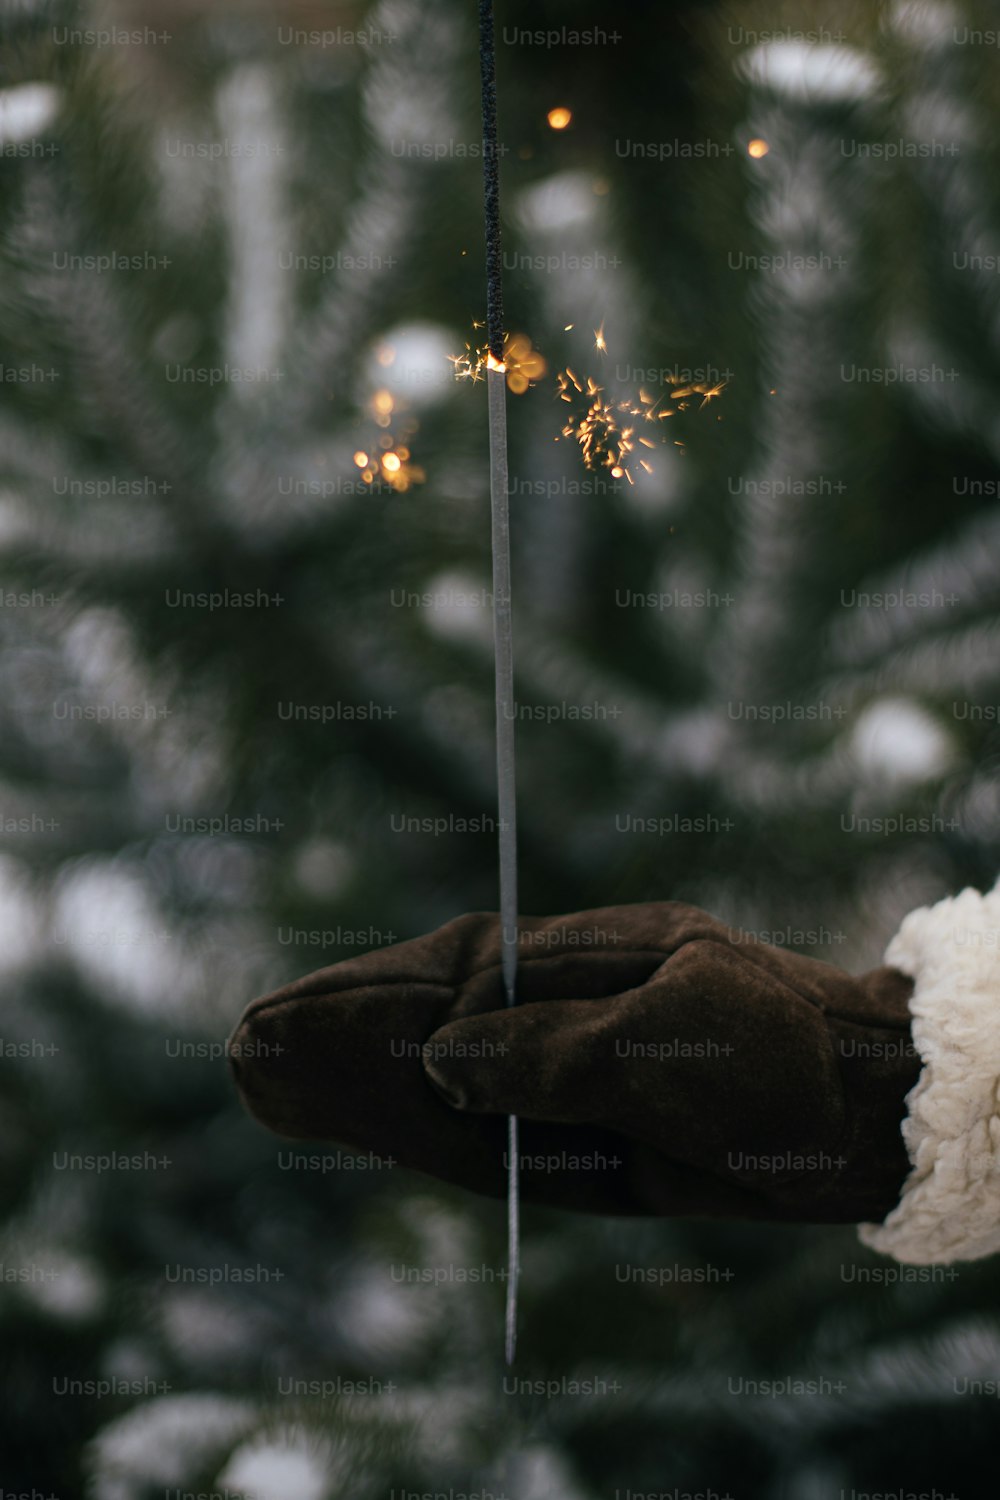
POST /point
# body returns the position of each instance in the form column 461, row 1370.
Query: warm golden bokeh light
column 523, row 363
column 559, row 118
column 392, row 466
column 757, row 148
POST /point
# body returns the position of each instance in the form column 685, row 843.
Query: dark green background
column 125, row 939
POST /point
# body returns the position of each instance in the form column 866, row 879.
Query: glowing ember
column 711, row 393
column 757, row 148
column 559, row 118
column 522, row 363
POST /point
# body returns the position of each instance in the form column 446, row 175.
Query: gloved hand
column 660, row 1062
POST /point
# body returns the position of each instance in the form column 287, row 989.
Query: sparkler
column 503, row 642
column 608, row 433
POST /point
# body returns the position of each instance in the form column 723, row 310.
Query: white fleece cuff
column 950, row 1205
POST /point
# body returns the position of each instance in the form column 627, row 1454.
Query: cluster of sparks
column 605, row 430
column 609, row 431
column 388, row 460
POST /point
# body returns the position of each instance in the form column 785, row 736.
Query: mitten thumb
column 540, row 1061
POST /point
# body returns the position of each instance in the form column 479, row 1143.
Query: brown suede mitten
column 660, row 1062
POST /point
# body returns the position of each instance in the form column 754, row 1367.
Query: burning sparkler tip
column 521, row 363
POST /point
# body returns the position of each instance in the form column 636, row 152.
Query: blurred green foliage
column 131, row 723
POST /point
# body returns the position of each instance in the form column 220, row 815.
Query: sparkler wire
column 503, row 642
